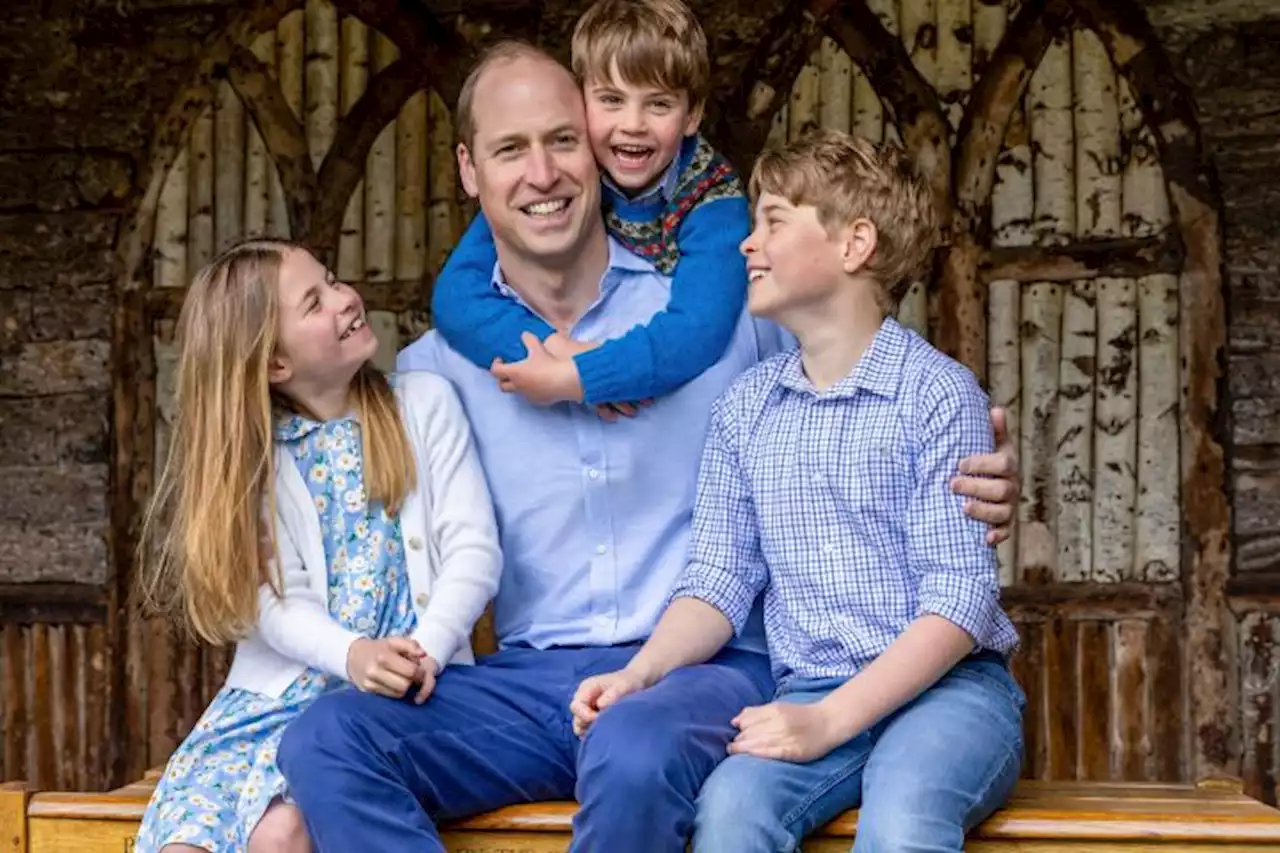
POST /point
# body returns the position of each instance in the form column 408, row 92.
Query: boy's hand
column 386, row 666
column 540, row 377
column 599, row 692
column 786, row 731
column 427, row 675
column 992, row 484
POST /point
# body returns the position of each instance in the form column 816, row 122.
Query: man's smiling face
column 529, row 161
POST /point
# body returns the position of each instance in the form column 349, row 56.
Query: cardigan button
column 422, row 599
column 415, row 543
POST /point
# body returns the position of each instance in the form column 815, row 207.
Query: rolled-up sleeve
column 726, row 568
column 948, row 549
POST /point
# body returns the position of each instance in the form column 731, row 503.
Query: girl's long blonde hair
column 208, row 538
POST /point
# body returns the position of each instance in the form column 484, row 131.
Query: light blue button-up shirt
column 594, row 517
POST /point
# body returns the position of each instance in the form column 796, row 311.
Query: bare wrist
column 645, row 673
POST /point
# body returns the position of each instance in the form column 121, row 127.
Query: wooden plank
column 1028, row 669
column 1093, row 662
column 15, row 704
column 13, row 817
column 52, row 603
column 1129, row 720
column 1166, row 701
column 1060, row 699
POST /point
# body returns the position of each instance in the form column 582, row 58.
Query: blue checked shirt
column 837, row 506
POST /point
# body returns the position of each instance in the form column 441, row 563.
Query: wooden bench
column 1043, row 816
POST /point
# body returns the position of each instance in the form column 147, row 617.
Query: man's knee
column 325, row 728
column 631, row 747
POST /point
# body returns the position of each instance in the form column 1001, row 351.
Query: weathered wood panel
column 1260, row 702
column 53, row 681
column 1104, row 691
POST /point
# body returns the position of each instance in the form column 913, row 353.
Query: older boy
column 824, row 485
column 668, row 197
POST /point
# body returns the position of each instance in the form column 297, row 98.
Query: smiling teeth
column 356, row 325
column 756, row 275
column 546, row 208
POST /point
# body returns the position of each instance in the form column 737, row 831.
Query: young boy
column 669, row 197
column 824, row 485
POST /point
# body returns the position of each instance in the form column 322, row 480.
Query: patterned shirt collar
column 878, row 371
column 293, row 427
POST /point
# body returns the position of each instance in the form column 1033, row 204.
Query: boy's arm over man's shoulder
column 708, row 291
column 947, row 549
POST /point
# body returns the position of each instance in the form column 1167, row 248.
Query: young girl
column 336, row 528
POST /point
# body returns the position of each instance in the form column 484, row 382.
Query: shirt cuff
column 967, row 602
column 716, row 589
column 332, row 649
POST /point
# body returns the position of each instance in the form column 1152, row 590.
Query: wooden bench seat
column 1043, row 816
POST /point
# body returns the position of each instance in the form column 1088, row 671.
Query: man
column 594, row 520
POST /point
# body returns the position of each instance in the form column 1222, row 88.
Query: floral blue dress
column 221, row 779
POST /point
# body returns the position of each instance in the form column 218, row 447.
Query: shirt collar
column 878, row 371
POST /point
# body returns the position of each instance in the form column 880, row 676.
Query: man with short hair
column 594, row 520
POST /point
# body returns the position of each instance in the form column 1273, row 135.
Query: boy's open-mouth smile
column 632, row 156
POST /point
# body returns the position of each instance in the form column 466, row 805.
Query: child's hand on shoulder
column 786, row 731
column 386, row 666
column 547, row 374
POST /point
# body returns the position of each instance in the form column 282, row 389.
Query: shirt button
column 415, row 543
column 593, row 473
column 422, row 599
column 600, row 549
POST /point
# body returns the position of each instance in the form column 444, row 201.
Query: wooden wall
column 1067, row 288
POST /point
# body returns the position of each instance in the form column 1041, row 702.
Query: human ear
column 467, row 171
column 859, row 244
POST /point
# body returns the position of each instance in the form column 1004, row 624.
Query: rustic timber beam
column 344, row 164
column 911, row 103
column 1092, row 600
column 1196, row 201
column 53, row 603
column 738, row 121
column 1128, row 257
column 282, row 133
column 165, row 303
column 962, row 296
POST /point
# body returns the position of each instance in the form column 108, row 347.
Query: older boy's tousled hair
column 507, row 50
column 848, row 178
column 655, row 43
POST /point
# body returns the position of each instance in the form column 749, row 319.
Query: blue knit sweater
column 689, row 226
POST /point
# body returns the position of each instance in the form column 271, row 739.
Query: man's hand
column 599, row 692
column 992, row 483
column 611, row 412
column 786, row 731
column 427, row 675
column 386, row 667
column 541, row 378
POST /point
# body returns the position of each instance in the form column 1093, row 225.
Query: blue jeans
column 374, row 774
column 923, row 777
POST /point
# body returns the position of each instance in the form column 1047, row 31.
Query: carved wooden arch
column 428, row 50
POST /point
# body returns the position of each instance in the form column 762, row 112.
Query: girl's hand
column 427, row 675
column 386, row 667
